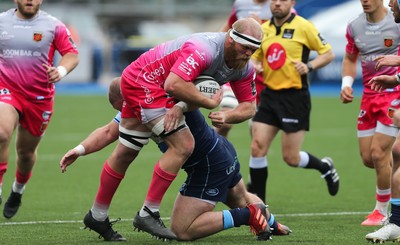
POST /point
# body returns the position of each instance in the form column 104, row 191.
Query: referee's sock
column 258, row 176
column 309, row 161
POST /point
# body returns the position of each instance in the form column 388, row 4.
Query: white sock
column 99, row 212
column 18, row 187
column 152, row 207
column 304, row 159
column 382, row 207
column 258, row 162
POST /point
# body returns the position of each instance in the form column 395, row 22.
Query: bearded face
column 28, row 9
column 281, row 9
column 237, row 55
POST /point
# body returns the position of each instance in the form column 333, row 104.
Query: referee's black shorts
column 287, row 109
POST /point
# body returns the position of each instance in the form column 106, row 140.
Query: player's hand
column 257, row 66
column 382, row 82
column 217, row 118
column 53, row 74
column 172, row 118
column 69, row 158
column 346, row 95
column 216, row 99
column 300, row 67
column 387, row 60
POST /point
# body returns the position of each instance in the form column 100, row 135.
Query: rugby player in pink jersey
column 391, row 230
column 370, row 35
column 193, row 216
column 154, row 83
column 259, row 10
column 29, row 38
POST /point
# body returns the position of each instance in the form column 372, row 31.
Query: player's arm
column 240, row 113
column 187, row 92
column 65, row 46
column 382, row 82
column 97, row 140
column 67, row 63
column 322, row 60
column 387, row 60
column 349, row 70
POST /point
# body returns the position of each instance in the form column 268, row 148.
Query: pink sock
column 22, row 178
column 3, row 169
column 109, row 182
column 160, row 183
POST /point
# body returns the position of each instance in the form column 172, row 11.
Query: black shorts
column 287, row 109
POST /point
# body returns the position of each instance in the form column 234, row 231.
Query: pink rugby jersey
column 371, row 40
column 188, row 57
column 25, row 45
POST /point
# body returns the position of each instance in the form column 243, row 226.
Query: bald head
column 114, row 94
column 248, row 26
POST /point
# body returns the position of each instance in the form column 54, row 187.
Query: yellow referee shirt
column 292, row 41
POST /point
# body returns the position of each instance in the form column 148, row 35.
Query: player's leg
column 180, row 144
column 263, row 135
column 33, row 124
column 294, row 157
column 381, row 156
column 133, row 136
column 26, row 145
column 376, row 121
column 391, row 230
column 239, row 197
column 8, row 122
column 192, row 218
column 364, row 145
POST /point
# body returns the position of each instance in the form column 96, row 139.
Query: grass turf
column 54, row 204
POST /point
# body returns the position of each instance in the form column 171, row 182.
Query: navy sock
column 272, row 222
column 395, row 215
column 240, row 216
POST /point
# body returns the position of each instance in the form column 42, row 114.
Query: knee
column 291, row 160
column 183, row 148
column 367, row 160
column 181, row 235
column 396, row 152
column 187, row 148
column 5, row 136
column 377, row 155
column 257, row 149
column 396, row 178
column 26, row 155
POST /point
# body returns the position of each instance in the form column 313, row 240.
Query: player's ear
column 230, row 39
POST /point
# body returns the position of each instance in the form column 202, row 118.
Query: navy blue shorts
column 213, row 176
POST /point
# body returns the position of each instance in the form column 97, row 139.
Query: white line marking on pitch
column 167, row 218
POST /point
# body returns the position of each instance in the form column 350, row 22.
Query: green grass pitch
column 54, row 203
